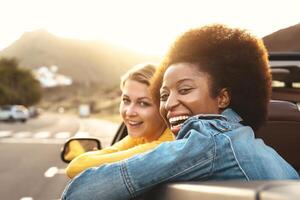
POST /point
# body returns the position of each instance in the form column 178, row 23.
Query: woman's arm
column 89, row 159
column 185, row 159
column 98, row 158
column 123, row 149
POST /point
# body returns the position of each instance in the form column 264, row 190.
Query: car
column 34, row 111
column 14, row 113
column 283, row 120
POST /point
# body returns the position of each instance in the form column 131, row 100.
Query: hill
column 83, row 61
column 287, row 39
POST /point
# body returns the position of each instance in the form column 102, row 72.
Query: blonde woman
column 146, row 128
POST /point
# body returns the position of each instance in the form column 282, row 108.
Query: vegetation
column 17, row 86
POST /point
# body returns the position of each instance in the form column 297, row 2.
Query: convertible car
column 282, row 132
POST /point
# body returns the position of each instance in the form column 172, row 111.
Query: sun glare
column 143, row 26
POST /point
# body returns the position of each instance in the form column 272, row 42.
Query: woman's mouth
column 176, row 122
column 134, row 123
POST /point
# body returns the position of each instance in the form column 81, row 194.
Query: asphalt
column 31, row 168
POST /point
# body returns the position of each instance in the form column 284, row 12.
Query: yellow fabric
column 75, row 150
column 123, row 149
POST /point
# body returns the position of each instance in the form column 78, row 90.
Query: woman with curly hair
column 214, row 86
column 234, row 61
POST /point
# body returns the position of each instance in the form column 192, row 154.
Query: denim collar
column 231, row 115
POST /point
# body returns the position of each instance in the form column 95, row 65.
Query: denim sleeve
column 189, row 158
column 105, row 182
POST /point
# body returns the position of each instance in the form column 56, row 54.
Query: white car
column 14, row 113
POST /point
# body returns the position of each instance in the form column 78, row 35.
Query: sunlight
column 143, row 26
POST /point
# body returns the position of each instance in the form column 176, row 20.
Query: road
column 31, row 168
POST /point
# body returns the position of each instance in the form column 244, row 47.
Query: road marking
column 43, row 134
column 62, row 135
column 26, row 198
column 31, row 141
column 25, row 137
column 23, row 134
column 52, row 171
column 5, row 134
column 82, row 134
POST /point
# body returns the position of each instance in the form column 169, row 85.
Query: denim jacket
column 208, row 147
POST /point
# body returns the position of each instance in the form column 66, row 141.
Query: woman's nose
column 171, row 102
column 131, row 110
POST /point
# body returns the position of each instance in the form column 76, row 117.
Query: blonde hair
column 141, row 73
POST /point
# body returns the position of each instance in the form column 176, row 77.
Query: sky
column 145, row 26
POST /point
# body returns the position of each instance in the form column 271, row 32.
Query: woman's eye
column 184, row 90
column 163, row 97
column 126, row 101
column 144, row 104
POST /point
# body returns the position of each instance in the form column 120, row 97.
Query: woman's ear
column 224, row 98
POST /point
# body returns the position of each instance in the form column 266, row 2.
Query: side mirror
column 76, row 146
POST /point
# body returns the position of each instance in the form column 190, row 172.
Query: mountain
column 104, row 63
column 287, row 39
column 83, row 61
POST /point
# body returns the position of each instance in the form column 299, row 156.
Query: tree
column 17, row 86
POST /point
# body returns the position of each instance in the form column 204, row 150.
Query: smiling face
column 185, row 92
column 139, row 112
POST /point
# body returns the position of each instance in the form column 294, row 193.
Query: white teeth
column 133, row 123
column 174, row 119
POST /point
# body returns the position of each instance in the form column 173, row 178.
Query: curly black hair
column 234, row 59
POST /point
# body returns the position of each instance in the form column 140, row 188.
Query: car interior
column 282, row 130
